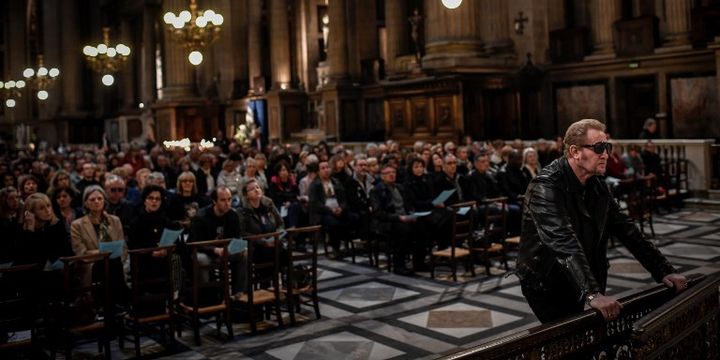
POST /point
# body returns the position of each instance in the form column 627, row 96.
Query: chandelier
column 41, row 79
column 105, row 59
column 194, row 29
column 10, row 90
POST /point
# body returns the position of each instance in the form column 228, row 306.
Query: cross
column 520, row 23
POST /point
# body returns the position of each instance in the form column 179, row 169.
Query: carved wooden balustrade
column 654, row 324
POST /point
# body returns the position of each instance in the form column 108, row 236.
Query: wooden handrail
column 218, row 243
column 530, row 342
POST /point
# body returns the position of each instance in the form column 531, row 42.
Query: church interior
column 256, row 88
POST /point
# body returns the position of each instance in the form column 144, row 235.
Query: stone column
column 451, row 33
column 495, row 16
column 279, row 44
column 604, row 14
column 254, row 42
column 677, row 14
column 179, row 73
column 238, row 49
column 71, row 62
column 556, row 14
column 147, row 54
column 396, row 29
column 126, row 76
column 337, row 47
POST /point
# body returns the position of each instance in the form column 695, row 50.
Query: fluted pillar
column 495, row 16
column 147, row 62
column 71, row 62
column 337, row 47
column 279, row 44
column 254, row 42
column 127, row 74
column 678, row 22
column 238, row 39
column 451, row 33
column 179, row 73
column 604, row 13
column 396, row 27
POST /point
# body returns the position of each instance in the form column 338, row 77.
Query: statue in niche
column 325, row 31
column 416, row 22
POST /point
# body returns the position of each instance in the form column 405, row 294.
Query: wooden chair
column 17, row 306
column 263, row 279
column 294, row 292
column 491, row 244
column 152, row 295
column 461, row 232
column 86, row 309
column 209, row 290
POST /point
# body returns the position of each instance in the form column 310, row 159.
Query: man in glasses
column 116, row 203
column 568, row 216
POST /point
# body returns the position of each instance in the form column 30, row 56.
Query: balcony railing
column 655, row 324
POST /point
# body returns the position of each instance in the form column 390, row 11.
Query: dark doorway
column 637, row 101
column 500, row 114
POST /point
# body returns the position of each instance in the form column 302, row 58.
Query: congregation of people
column 62, row 202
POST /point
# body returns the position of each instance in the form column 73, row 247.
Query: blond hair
column 32, row 202
column 576, row 133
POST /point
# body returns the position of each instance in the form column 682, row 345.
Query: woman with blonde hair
column 42, row 237
column 530, row 165
column 186, row 201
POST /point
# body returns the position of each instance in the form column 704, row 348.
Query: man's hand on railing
column 607, row 306
column 677, row 281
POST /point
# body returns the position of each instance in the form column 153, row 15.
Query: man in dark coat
column 568, row 216
column 393, row 220
column 328, row 205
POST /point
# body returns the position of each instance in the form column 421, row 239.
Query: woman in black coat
column 419, row 196
column 145, row 232
column 42, row 237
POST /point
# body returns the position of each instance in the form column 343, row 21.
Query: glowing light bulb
column 43, row 71
column 42, row 95
column 218, row 19
column 54, row 72
column 28, row 72
column 169, row 17
column 195, row 57
column 10, row 103
column 451, row 4
column 20, row 84
column 108, row 80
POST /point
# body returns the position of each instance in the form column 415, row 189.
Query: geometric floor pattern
column 373, row 314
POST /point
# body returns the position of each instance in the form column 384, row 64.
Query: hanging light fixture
column 195, row 29
column 451, row 4
column 41, row 79
column 105, row 59
column 11, row 90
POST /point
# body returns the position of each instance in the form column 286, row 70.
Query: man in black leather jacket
column 568, row 216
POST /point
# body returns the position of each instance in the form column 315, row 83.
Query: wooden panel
column 330, row 118
column 420, row 115
column 637, row 36
column 444, row 113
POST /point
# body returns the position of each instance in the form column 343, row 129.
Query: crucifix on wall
column 519, row 23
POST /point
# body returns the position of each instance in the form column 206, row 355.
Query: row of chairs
column 87, row 311
column 487, row 239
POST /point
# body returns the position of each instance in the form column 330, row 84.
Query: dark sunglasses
column 117, row 190
column 599, row 147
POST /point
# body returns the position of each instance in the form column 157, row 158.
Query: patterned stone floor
column 371, row 314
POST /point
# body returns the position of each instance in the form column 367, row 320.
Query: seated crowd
column 66, row 201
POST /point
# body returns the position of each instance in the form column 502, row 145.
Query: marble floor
column 373, row 314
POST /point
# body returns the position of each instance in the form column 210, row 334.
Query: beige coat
column 84, row 238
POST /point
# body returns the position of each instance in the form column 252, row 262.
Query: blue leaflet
column 115, row 248
column 236, row 246
column 169, row 237
column 440, row 199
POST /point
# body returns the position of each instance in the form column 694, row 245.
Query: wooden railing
column 655, row 323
